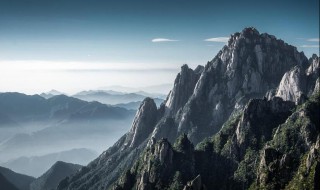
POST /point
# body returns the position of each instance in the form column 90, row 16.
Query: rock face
column 159, row 164
column 143, row 123
column 183, row 88
column 195, row 184
column 292, row 86
column 298, row 83
column 250, row 65
column 200, row 103
column 255, row 122
column 50, row 179
column 161, row 154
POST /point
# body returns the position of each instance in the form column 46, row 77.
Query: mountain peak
column 54, row 92
column 250, row 31
column 202, row 100
column 184, row 85
column 143, row 123
column 184, row 67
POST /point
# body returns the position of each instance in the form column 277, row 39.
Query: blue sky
column 120, row 32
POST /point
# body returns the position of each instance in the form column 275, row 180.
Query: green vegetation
column 304, row 179
column 271, row 155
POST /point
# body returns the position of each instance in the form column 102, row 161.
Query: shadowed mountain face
column 50, row 179
column 202, row 101
column 19, row 181
column 5, row 184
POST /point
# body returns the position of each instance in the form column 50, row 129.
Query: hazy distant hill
column 113, row 97
column 21, row 108
column 51, row 93
column 33, row 125
column 154, row 89
column 20, row 181
column 51, row 178
column 37, row 165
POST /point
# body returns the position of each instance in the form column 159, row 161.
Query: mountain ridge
column 248, row 67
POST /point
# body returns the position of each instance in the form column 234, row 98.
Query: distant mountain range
column 135, row 105
column 37, row 165
column 51, row 93
column 248, row 119
column 49, row 180
column 128, row 100
column 21, row 109
column 34, row 126
column 153, row 89
column 116, row 98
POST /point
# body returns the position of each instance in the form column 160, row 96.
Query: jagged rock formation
column 159, row 164
column 183, row 88
column 266, row 156
column 50, row 179
column 19, row 181
column 298, row 83
column 143, row 123
column 249, row 66
column 201, row 101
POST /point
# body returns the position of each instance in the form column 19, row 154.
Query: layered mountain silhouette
column 21, row 108
column 33, row 126
column 37, row 165
column 251, row 111
column 51, row 93
column 119, row 99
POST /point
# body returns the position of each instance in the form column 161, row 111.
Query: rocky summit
column 248, row 119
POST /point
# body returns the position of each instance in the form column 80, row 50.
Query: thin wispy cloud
column 163, row 40
column 217, row 39
column 310, row 46
column 313, row 40
column 309, row 39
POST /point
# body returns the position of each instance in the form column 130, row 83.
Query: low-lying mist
column 27, row 151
